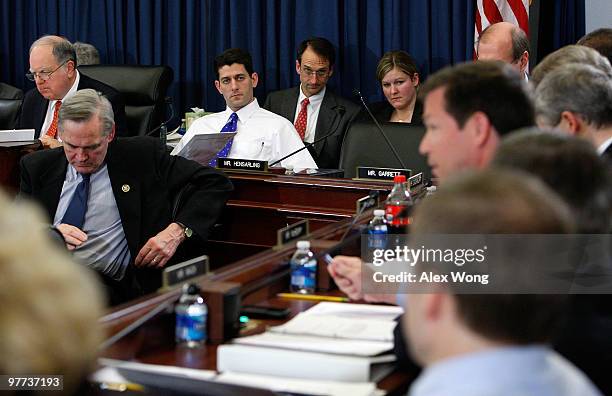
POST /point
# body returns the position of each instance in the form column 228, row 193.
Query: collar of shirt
column 51, row 107
column 314, row 106
column 604, row 146
column 244, row 113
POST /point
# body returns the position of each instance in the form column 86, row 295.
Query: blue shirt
column 509, row 371
column 106, row 249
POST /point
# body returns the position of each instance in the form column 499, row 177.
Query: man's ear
column 111, row 135
column 70, row 69
column 255, row 78
column 297, row 66
column 480, row 126
column 524, row 61
column 218, row 86
column 331, row 71
column 434, row 305
column 571, row 123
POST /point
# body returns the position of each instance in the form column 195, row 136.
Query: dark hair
column 231, row 56
column 499, row 202
column 492, row 87
column 400, row 59
column 570, row 166
column 601, row 40
column 321, row 46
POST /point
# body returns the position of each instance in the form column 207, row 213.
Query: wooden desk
column 154, row 342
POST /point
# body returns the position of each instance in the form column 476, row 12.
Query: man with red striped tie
column 53, row 69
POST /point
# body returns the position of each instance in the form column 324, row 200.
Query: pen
column 119, row 387
column 311, row 297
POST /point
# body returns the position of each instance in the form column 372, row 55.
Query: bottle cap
column 191, row 288
column 303, row 245
column 379, row 212
column 399, row 179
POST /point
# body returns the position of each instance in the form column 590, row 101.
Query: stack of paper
column 331, row 341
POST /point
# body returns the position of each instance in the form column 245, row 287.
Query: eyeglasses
column 319, row 73
column 44, row 76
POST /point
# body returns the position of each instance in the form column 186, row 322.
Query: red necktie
column 300, row 122
column 52, row 131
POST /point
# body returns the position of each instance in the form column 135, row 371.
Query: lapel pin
column 125, row 188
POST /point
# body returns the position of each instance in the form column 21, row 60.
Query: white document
column 298, row 364
column 299, row 386
column 16, row 135
column 158, row 369
column 382, row 312
column 317, row 344
column 204, row 147
column 332, row 326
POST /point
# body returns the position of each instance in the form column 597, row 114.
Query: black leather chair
column 143, row 88
column 364, row 145
column 10, row 103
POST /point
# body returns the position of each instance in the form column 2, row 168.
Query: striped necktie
column 230, row 126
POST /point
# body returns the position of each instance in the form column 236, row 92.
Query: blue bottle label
column 304, row 277
column 191, row 327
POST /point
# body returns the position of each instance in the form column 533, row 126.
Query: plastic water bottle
column 377, row 230
column 191, row 317
column 303, row 269
column 398, row 206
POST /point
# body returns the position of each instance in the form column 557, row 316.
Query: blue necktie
column 231, row 126
column 75, row 214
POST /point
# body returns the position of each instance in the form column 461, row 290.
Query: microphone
column 357, row 93
column 340, row 112
column 168, row 102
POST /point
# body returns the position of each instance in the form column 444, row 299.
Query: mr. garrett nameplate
column 368, row 172
column 242, row 164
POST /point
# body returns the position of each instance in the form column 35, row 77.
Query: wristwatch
column 186, row 230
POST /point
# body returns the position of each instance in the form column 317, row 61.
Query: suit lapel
column 325, row 120
column 127, row 191
column 288, row 106
column 40, row 112
column 52, row 182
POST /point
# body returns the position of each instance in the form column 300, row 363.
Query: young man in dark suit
column 53, row 69
column 113, row 201
column 315, row 110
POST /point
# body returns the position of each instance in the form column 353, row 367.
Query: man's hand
column 347, row 272
column 73, row 236
column 49, row 142
column 160, row 248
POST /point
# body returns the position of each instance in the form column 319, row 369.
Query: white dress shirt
column 312, row 111
column 52, row 103
column 260, row 135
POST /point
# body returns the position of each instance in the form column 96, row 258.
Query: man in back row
column 260, row 134
column 505, row 42
column 315, row 110
column 53, row 67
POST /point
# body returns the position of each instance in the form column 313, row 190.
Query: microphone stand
column 163, row 130
column 340, row 111
column 357, row 93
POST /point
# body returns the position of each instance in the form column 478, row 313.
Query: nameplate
column 185, row 271
column 365, row 172
column 415, row 180
column 242, row 164
column 366, row 203
column 292, row 232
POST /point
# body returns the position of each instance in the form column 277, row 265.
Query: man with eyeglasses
column 506, row 42
column 314, row 110
column 53, row 69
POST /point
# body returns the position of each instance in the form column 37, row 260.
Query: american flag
column 489, row 12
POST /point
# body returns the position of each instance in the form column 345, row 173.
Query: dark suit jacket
column 336, row 114
column 154, row 179
column 34, row 107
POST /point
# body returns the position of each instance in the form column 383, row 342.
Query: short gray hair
column 579, row 88
column 63, row 50
column 83, row 105
column 86, row 54
column 569, row 54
